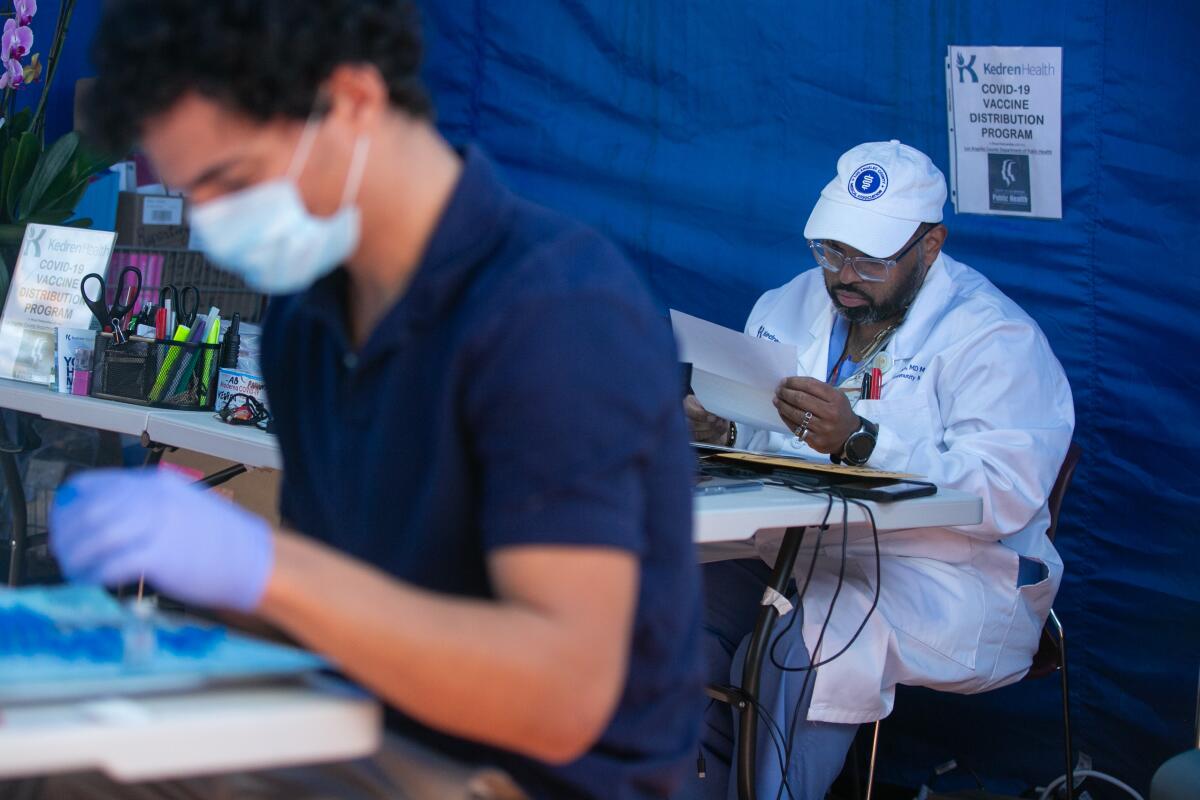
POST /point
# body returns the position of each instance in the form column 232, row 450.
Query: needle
column 141, row 586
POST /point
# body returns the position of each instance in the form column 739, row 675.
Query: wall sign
column 44, row 294
column 1004, row 108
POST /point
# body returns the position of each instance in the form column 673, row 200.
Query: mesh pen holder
column 156, row 372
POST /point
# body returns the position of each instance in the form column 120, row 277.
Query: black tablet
column 884, row 492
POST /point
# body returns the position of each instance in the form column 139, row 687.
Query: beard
column 893, row 306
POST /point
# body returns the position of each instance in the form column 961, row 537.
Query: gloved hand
column 113, row 526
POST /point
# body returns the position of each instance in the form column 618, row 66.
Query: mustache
column 846, row 289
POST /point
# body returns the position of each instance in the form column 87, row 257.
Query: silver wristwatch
column 859, row 445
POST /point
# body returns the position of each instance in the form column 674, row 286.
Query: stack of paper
column 734, row 375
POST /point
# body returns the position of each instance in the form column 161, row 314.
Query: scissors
column 123, row 301
column 185, row 303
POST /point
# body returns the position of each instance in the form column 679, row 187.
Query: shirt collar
column 924, row 311
column 472, row 224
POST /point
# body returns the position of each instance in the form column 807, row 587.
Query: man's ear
column 932, row 243
column 357, row 96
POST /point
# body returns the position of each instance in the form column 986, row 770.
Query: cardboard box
column 151, row 220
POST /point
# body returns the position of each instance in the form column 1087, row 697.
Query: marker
column 211, row 337
column 183, row 376
column 181, row 334
column 876, row 382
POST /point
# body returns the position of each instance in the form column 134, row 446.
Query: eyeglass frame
column 888, row 263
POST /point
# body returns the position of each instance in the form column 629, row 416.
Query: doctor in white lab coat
column 971, row 397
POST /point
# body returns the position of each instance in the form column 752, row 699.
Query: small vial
column 138, row 632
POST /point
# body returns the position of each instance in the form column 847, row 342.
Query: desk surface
column 201, row 432
column 720, row 519
column 88, row 411
column 725, row 524
column 172, row 736
column 198, row 431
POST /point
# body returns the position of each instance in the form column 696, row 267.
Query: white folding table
column 217, row 730
column 728, row 525
column 198, row 431
column 173, row 735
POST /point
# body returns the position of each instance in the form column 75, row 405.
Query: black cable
column 832, row 493
column 811, row 668
column 782, row 754
column 821, row 636
column 874, row 600
column 821, row 529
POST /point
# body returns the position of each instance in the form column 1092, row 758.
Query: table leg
column 19, row 514
column 760, row 640
column 154, row 454
column 221, row 476
column 27, row 440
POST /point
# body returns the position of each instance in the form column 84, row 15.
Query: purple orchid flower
column 25, row 10
column 16, row 40
column 14, row 75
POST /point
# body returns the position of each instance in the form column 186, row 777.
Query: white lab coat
column 975, row 400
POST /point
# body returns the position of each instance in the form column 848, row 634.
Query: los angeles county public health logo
column 868, row 182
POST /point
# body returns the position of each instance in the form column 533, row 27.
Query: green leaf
column 89, row 161
column 15, row 125
column 84, row 164
column 50, row 166
column 19, row 122
column 11, row 234
column 65, row 203
column 27, row 151
column 6, row 170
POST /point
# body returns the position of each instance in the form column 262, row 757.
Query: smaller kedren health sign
column 44, row 294
column 1004, row 108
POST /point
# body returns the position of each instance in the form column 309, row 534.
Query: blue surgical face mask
column 266, row 234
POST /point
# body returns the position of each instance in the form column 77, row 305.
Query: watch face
column 859, row 446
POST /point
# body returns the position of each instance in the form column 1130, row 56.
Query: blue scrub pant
column 818, row 749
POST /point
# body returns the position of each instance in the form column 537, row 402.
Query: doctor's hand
column 113, row 526
column 817, row 413
column 704, row 427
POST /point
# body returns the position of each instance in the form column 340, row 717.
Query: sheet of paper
column 734, row 375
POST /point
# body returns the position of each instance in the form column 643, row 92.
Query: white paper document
column 734, row 375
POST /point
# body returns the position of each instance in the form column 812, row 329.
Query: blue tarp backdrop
column 698, row 134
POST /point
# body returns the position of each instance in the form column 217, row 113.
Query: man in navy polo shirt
column 486, row 494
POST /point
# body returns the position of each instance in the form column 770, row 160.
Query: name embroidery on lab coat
column 912, row 372
column 763, row 333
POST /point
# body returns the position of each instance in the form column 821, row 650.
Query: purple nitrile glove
column 113, row 526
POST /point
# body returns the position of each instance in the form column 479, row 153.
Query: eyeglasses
column 873, row 270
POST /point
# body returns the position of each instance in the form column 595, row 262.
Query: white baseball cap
column 882, row 193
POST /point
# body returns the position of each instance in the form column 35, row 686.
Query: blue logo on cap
column 868, row 182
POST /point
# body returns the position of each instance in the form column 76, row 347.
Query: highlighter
column 181, row 335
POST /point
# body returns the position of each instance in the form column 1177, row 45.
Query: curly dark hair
column 263, row 58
